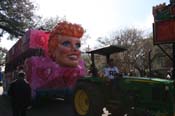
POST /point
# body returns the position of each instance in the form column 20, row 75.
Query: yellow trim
column 144, row 81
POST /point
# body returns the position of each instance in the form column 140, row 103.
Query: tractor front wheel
column 88, row 99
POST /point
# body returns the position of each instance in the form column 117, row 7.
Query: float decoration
column 164, row 23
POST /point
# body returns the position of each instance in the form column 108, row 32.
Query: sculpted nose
column 74, row 48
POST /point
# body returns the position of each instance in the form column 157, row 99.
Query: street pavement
column 5, row 109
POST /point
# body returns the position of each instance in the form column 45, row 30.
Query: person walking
column 20, row 95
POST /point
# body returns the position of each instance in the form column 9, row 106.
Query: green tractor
column 134, row 96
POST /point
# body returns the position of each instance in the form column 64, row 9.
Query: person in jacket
column 20, row 95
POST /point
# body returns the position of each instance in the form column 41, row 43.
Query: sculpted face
column 64, row 44
column 67, row 52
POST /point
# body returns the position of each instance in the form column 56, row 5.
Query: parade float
column 48, row 74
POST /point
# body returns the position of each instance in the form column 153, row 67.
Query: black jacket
column 20, row 93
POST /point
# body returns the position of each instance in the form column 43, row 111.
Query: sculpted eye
column 78, row 45
column 66, row 44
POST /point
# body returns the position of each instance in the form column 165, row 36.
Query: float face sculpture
column 64, row 44
column 67, row 53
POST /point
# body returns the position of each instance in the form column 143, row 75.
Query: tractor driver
column 111, row 71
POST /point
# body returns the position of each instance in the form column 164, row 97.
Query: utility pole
column 172, row 3
column 173, row 72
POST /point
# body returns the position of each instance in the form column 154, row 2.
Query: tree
column 140, row 55
column 161, row 60
column 48, row 23
column 3, row 52
column 136, row 57
column 16, row 16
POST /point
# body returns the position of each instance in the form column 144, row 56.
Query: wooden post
column 149, row 61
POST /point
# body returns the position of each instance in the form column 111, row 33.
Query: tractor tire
column 88, row 100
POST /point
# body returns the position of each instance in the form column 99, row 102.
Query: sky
column 99, row 17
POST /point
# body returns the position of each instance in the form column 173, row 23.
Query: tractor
column 134, row 96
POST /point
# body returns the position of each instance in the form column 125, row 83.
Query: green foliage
column 48, row 23
column 3, row 52
column 16, row 16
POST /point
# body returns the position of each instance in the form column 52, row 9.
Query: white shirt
column 110, row 72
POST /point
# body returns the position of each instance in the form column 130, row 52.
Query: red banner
column 164, row 31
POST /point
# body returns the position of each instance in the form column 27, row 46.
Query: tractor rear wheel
column 88, row 100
